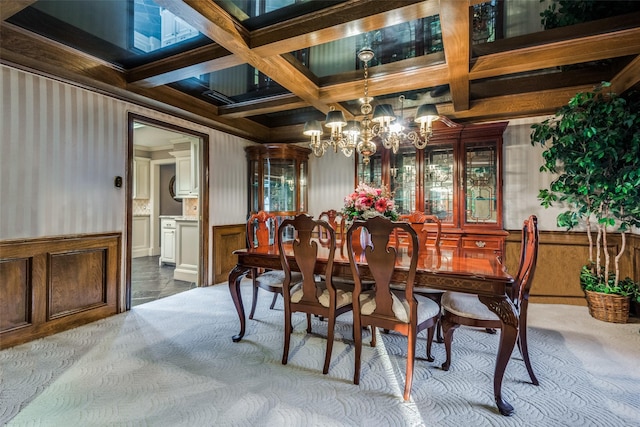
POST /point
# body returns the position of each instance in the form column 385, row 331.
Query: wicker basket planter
column 608, row 307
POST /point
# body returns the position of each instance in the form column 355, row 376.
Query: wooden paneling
column 77, row 282
column 48, row 285
column 561, row 256
column 226, row 239
column 16, row 287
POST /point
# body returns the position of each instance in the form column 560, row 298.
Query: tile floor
column 150, row 281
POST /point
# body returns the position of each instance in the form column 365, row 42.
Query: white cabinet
column 140, row 240
column 188, row 171
column 187, row 250
column 167, row 241
column 141, row 169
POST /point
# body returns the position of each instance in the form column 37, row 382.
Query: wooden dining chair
column 336, row 220
column 262, row 230
column 466, row 309
column 429, row 230
column 402, row 311
column 314, row 293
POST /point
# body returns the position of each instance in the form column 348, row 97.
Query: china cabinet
column 278, row 176
column 457, row 177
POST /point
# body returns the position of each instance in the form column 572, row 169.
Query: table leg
column 506, row 311
column 235, row 277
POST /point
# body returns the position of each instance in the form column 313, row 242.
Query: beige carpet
column 171, row 362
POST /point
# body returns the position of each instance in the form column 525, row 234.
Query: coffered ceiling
column 523, row 75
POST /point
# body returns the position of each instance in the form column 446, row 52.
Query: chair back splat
column 336, row 220
column 313, row 291
column 376, row 304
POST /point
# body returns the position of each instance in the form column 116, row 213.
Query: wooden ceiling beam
column 262, row 106
column 35, row 52
column 202, row 60
column 628, row 77
column 454, row 21
column 518, row 105
column 213, row 21
column 391, row 78
column 566, row 52
column 11, row 7
column 167, row 95
column 338, row 22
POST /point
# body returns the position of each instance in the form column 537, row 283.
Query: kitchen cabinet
column 167, row 241
column 187, row 250
column 188, row 171
column 278, row 176
column 141, row 169
column 457, row 177
column 140, row 236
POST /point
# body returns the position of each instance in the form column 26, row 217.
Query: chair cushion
column 274, row 278
column 427, row 308
column 342, row 297
column 466, row 305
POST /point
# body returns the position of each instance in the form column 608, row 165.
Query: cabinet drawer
column 168, row 223
column 482, row 243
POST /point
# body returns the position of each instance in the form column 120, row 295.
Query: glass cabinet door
column 278, row 176
column 439, row 182
column 402, row 173
column 480, row 184
column 279, row 185
column 371, row 173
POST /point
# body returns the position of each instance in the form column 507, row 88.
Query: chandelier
column 350, row 136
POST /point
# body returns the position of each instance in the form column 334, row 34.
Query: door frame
column 203, row 203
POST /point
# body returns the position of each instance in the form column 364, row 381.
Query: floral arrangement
column 367, row 202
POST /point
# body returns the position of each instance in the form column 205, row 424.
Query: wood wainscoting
column 226, row 239
column 48, row 285
column 561, row 255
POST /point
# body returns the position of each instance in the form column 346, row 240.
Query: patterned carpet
column 171, row 362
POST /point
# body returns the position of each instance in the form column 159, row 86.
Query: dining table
column 469, row 270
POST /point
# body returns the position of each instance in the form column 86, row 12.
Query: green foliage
column 592, row 146
column 569, row 12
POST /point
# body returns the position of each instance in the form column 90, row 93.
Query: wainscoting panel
column 561, row 255
column 77, row 282
column 226, row 239
column 49, row 285
column 16, row 287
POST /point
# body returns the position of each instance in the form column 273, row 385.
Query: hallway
column 149, row 281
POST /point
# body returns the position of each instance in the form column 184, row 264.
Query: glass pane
column 279, row 185
column 396, row 43
column 403, row 179
column 124, row 32
column 371, row 173
column 480, row 185
column 255, row 189
column 438, row 182
column 303, row 187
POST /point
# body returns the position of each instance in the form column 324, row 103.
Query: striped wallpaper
column 62, row 147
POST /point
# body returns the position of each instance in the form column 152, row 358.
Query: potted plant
column 593, row 145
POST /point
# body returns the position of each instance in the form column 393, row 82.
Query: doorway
column 167, row 210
